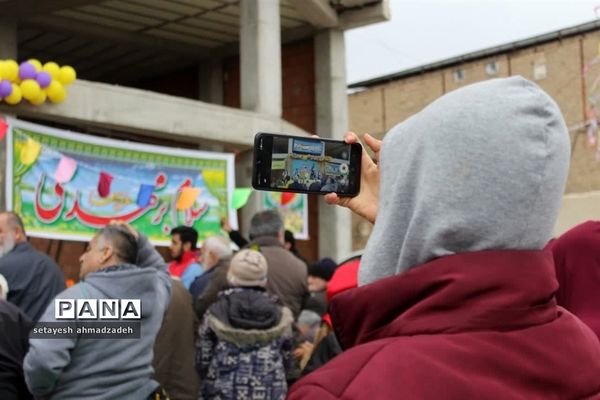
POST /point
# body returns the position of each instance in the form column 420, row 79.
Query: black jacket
column 33, row 279
column 14, row 343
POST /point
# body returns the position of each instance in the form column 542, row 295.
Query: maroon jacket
column 466, row 326
column 577, row 259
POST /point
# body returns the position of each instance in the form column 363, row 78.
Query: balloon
column 16, row 95
column 52, row 68
column 5, row 88
column 36, row 64
column 56, row 92
column 2, row 69
column 27, row 71
column 43, row 78
column 40, row 99
column 30, row 89
column 66, row 75
column 11, row 70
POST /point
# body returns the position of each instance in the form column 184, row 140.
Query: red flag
column 104, row 184
column 3, row 128
column 287, row 197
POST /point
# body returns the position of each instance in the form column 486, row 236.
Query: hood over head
column 127, row 281
column 246, row 316
column 481, row 168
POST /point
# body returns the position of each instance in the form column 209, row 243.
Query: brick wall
column 380, row 107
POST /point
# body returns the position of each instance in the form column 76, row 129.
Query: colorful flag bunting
column 104, row 184
column 144, row 195
column 240, row 197
column 30, row 152
column 65, row 170
column 187, row 197
column 287, row 197
column 3, row 128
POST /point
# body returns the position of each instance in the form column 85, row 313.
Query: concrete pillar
column 335, row 223
column 260, row 79
column 8, row 49
column 260, row 56
column 210, row 74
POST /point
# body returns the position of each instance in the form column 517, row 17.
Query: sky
column 424, row 31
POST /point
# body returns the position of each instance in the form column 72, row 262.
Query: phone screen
column 306, row 165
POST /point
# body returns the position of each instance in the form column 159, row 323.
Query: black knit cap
column 324, row 269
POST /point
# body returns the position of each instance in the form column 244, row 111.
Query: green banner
column 66, row 185
column 293, row 207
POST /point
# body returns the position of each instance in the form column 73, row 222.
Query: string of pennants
column 67, row 167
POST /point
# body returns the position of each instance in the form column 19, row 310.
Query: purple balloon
column 43, row 78
column 5, row 89
column 27, row 71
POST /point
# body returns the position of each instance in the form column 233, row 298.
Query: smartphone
column 306, row 165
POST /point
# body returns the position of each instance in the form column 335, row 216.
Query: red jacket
column 467, row 326
column 577, row 259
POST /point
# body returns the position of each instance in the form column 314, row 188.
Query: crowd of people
column 460, row 292
column 312, row 181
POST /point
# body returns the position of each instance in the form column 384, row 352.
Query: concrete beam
column 318, row 12
column 21, row 8
column 260, row 57
column 371, row 14
column 149, row 113
column 92, row 31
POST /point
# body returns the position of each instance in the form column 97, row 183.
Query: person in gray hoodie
column 119, row 263
column 456, row 296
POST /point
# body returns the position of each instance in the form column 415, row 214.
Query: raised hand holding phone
column 366, row 202
column 306, row 165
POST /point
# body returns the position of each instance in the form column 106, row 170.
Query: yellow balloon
column 36, row 63
column 30, row 89
column 52, row 68
column 2, row 69
column 16, row 96
column 40, row 99
column 66, row 75
column 56, row 92
column 11, row 69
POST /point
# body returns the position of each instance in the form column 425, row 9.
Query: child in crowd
column 319, row 275
column 245, row 341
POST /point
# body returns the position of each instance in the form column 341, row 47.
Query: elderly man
column 119, row 263
column 216, row 254
column 34, row 278
column 287, row 273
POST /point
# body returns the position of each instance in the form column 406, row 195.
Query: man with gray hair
column 34, row 278
column 216, row 255
column 287, row 274
column 119, row 263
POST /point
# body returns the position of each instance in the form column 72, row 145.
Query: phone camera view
column 309, row 164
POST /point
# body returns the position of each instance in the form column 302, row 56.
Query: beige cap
column 248, row 268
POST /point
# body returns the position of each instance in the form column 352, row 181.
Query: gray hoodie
column 99, row 369
column 481, row 168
